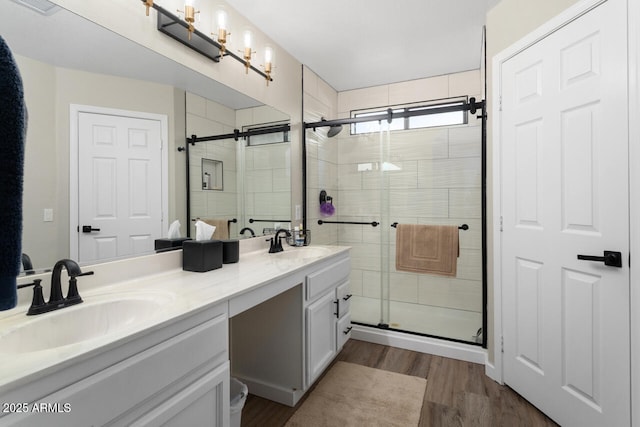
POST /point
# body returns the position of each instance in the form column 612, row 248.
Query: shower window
column 265, row 134
column 415, row 122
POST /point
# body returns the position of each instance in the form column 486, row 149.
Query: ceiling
column 362, row 43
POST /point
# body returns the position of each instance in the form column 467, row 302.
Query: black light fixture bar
column 472, row 106
column 178, row 29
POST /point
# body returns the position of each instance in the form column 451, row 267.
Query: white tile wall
column 267, row 167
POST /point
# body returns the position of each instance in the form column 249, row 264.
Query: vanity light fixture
column 190, row 15
column 247, row 37
column 213, row 46
column 222, row 23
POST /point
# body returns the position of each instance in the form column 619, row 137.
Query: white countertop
column 188, row 293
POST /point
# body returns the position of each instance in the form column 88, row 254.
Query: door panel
column 120, row 190
column 564, row 193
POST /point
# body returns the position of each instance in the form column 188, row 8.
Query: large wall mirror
column 66, row 60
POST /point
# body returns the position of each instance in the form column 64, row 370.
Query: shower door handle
column 610, row 258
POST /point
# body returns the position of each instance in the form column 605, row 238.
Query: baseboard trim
column 438, row 347
column 288, row 397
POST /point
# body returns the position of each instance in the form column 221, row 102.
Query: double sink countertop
column 129, row 298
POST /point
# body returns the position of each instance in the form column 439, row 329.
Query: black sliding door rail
column 472, row 106
column 236, row 135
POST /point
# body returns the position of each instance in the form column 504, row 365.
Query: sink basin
column 96, row 317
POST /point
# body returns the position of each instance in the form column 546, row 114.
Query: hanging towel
column 429, row 249
column 12, row 137
column 222, row 228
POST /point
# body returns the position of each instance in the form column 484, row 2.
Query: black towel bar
column 462, row 227
column 372, row 223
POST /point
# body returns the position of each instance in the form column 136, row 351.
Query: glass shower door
column 424, row 176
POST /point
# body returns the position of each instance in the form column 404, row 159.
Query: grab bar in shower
column 462, row 227
column 372, row 223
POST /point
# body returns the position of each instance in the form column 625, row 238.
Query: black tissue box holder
column 230, row 251
column 202, row 255
column 162, row 245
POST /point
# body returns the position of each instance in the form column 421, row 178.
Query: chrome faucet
column 56, row 299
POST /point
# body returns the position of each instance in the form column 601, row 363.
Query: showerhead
column 334, row 130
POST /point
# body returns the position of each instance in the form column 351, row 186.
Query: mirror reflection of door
column 120, row 185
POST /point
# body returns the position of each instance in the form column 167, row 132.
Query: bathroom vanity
column 160, row 348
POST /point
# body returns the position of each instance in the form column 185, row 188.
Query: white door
column 564, row 145
column 120, row 186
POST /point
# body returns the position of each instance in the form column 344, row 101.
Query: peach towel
column 222, row 228
column 429, row 249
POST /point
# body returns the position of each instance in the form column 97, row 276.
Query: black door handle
column 610, row 258
column 88, row 229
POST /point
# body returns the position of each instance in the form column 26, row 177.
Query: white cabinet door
column 203, row 403
column 321, row 334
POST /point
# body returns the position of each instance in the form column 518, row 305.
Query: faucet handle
column 37, row 303
column 272, row 245
column 73, row 296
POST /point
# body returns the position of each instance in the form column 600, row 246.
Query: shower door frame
column 472, row 107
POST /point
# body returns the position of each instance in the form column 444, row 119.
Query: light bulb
column 268, row 56
column 247, row 36
column 268, row 62
column 222, row 20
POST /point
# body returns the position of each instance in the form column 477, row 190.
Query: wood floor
column 458, row 393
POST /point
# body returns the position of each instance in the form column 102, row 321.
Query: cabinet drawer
column 343, row 332
column 319, row 281
column 95, row 400
column 344, row 299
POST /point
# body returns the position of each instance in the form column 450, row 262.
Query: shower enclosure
column 387, row 171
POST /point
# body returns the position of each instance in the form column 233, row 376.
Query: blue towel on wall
column 12, row 138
